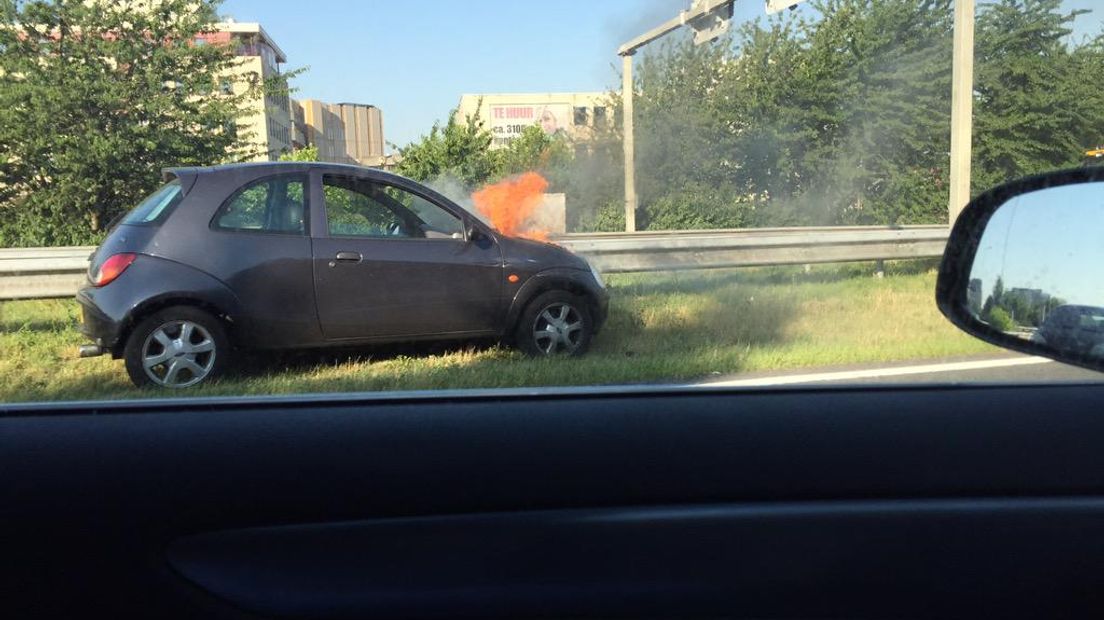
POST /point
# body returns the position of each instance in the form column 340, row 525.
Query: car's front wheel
column 176, row 347
column 555, row 323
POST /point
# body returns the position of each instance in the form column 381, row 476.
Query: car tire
column 554, row 323
column 177, row 347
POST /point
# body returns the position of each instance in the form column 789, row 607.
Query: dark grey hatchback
column 297, row 255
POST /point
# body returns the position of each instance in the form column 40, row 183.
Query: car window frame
column 324, row 228
column 303, row 177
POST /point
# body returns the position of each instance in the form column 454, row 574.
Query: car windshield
column 436, row 195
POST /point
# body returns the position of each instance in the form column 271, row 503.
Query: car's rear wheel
column 555, row 323
column 176, row 347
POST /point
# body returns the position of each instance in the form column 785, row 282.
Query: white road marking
column 901, row 371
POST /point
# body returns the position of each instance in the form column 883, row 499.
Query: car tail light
column 112, row 268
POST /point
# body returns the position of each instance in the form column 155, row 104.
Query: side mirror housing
column 473, row 232
column 1023, row 266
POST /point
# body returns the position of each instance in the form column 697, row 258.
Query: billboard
column 509, row 120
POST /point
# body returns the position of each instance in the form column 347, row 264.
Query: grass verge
column 662, row 327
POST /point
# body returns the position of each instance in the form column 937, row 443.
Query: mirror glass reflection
column 1037, row 273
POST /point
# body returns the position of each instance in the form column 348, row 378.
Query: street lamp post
column 962, row 107
column 627, row 141
column 709, row 19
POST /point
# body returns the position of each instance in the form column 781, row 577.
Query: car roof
column 273, row 167
column 237, row 174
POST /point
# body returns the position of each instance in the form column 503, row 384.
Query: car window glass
column 436, row 221
column 351, row 211
column 274, row 205
column 156, row 204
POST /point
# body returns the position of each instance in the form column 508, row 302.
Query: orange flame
column 510, row 204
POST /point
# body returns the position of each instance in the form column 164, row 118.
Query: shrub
column 610, row 217
column 698, row 208
column 1000, row 319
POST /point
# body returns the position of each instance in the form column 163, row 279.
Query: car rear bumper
column 96, row 324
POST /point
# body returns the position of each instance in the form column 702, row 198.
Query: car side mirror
column 472, row 232
column 1023, row 265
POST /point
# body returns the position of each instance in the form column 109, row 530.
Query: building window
column 580, row 116
column 599, row 116
column 226, row 87
column 268, row 55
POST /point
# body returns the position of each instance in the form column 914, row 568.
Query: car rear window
column 156, row 204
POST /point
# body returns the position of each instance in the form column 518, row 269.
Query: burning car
column 304, row 254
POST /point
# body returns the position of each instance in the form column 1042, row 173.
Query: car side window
column 351, row 211
column 435, row 221
column 361, row 208
column 270, row 205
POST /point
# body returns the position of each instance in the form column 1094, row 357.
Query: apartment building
column 350, row 133
column 268, row 118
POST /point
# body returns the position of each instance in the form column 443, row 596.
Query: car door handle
column 348, row 257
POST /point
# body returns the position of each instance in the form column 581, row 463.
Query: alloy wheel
column 558, row 329
column 178, row 354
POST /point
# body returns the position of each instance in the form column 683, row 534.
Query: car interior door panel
column 791, row 503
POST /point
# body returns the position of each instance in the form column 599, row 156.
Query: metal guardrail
column 39, row 273
column 667, row 251
column 27, row 273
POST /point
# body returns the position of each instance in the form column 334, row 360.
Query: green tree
column 995, row 299
column 95, row 98
column 461, row 150
column 839, row 119
column 1038, row 104
column 1000, row 319
column 536, row 151
column 681, row 136
column 847, row 115
column 307, row 153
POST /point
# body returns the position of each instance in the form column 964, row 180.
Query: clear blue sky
column 414, row 58
column 1048, row 240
